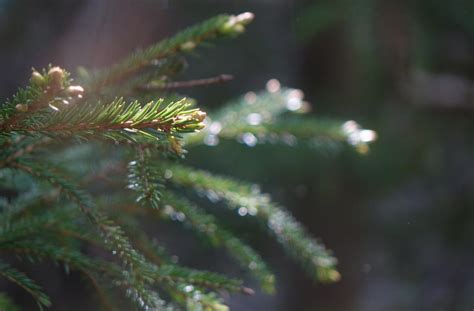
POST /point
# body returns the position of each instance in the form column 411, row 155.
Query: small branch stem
column 186, row 84
column 23, row 151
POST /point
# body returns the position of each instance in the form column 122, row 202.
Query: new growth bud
column 188, row 46
column 21, row 107
column 199, row 115
column 235, row 24
column 56, row 76
column 358, row 137
column 175, row 145
column 37, row 78
column 245, row 18
column 192, row 121
column 238, row 29
column 75, row 90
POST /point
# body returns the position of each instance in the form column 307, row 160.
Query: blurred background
column 400, row 219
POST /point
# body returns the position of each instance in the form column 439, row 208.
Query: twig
column 23, row 151
column 186, row 84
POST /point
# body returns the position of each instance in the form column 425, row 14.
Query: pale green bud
column 37, row 78
column 21, row 107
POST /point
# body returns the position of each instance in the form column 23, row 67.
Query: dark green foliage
column 6, row 304
column 205, row 224
column 66, row 197
column 26, row 283
column 248, row 200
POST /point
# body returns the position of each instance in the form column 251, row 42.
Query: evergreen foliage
column 64, row 145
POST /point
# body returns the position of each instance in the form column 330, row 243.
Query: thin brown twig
column 186, row 84
column 23, row 151
column 110, row 78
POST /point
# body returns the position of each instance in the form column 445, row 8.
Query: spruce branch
column 201, row 279
column 20, row 149
column 43, row 249
column 114, row 237
column 36, row 249
column 20, row 279
column 252, row 109
column 34, row 224
column 51, row 217
column 179, row 209
column 247, row 200
column 145, row 178
column 173, row 278
column 183, row 42
column 98, row 119
column 29, row 219
column 56, row 108
column 50, row 89
column 166, row 271
column 263, row 118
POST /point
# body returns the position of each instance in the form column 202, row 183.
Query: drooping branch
column 248, row 201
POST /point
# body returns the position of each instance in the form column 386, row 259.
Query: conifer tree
column 83, row 158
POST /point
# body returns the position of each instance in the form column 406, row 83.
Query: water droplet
column 296, row 93
column 250, row 98
column 53, row 107
column 367, row 136
column 180, row 216
column 252, row 210
column 254, row 119
column 168, row 174
column 273, row 86
column 294, row 104
column 295, row 100
column 350, row 126
column 114, row 252
column 289, row 139
column 243, row 211
column 272, row 138
column 65, row 102
column 255, row 189
column 197, row 295
column 249, row 139
column 168, row 210
column 157, row 62
column 215, row 127
column 323, row 261
column 357, row 136
column 211, row 140
column 212, row 196
column 188, row 288
column 353, row 138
